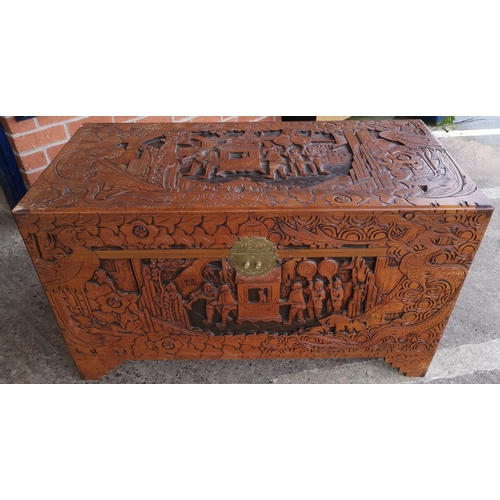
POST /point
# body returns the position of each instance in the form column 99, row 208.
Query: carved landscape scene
column 209, row 296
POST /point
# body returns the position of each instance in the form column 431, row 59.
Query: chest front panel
column 370, row 284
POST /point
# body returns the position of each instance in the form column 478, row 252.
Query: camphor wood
column 131, row 227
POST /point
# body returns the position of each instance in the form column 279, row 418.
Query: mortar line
column 189, row 118
column 133, row 120
column 32, row 171
column 40, row 148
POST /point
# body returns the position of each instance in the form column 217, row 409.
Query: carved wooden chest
column 280, row 240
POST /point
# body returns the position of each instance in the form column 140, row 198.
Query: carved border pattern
column 401, row 230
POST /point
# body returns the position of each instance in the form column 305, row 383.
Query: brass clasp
column 253, row 256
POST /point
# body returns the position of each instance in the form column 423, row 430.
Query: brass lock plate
column 253, row 256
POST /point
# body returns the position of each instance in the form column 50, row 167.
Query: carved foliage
column 49, row 236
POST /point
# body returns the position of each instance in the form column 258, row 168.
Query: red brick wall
column 36, row 141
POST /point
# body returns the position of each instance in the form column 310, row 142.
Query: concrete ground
column 32, row 349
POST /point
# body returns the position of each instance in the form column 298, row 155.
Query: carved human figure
column 337, row 295
column 276, row 161
column 141, row 166
column 211, row 161
column 226, row 304
column 297, row 162
column 297, row 304
column 210, row 294
column 317, row 295
column 316, row 165
column 174, row 306
column 262, row 296
column 198, row 161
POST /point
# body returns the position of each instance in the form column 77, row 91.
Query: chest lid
column 258, row 166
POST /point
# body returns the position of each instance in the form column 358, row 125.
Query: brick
column 12, row 127
column 183, row 118
column 207, row 119
column 54, row 150
column 121, row 119
column 229, row 118
column 99, row 119
column 30, row 178
column 74, row 126
column 40, row 138
column 49, row 120
column 156, row 119
column 33, row 161
column 197, row 118
column 256, row 118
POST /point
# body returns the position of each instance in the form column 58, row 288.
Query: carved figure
column 276, row 162
column 297, row 161
column 297, row 304
column 204, row 160
column 211, row 162
column 337, row 295
column 317, row 295
column 262, row 296
column 210, row 294
column 226, row 304
column 317, row 165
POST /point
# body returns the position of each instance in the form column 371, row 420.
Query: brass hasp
column 253, row 256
